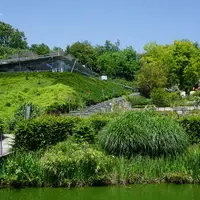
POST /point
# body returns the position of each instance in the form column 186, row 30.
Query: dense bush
column 44, row 131
column 138, row 100
column 83, row 131
column 145, row 133
column 20, row 115
column 101, row 119
column 162, row 98
column 23, row 169
column 192, row 127
column 47, row 130
column 72, row 163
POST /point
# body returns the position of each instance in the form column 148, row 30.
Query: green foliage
column 102, row 119
column 178, row 178
column 11, row 37
column 41, row 49
column 71, row 164
column 39, row 133
column 56, row 93
column 77, row 164
column 145, row 133
column 42, row 132
column 180, row 61
column 20, row 115
column 186, row 57
column 83, row 131
column 84, row 52
column 23, row 169
column 150, row 76
column 162, row 98
column 192, row 126
column 121, row 64
column 138, row 100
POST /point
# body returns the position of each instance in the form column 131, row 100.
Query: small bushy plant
column 146, row 133
column 83, row 131
column 192, row 126
column 162, row 98
column 138, row 100
column 70, row 162
column 101, row 119
column 20, row 115
column 23, row 169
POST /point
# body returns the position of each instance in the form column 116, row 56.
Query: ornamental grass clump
column 144, row 133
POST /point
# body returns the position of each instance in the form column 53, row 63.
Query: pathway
column 6, row 144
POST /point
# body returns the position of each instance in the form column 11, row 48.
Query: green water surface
column 137, row 192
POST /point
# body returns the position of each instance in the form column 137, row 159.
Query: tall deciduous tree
column 122, row 63
column 151, row 75
column 187, row 66
column 180, row 60
column 84, row 52
column 11, row 37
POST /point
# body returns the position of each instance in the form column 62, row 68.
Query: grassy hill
column 52, row 91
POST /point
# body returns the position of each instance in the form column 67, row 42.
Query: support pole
column 73, row 66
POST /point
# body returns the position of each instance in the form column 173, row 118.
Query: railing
column 33, row 57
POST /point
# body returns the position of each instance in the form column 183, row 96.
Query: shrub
column 101, row 119
column 23, row 169
column 162, row 98
column 178, row 178
column 20, row 115
column 145, row 133
column 84, row 131
column 41, row 132
column 71, row 163
column 138, row 100
column 192, row 126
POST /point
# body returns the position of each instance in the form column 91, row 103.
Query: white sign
column 104, row 78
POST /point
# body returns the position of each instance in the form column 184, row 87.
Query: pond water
column 137, row 192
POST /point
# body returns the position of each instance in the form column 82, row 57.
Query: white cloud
column 1, row 14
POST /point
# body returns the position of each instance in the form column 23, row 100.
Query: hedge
column 39, row 133
column 42, row 132
column 192, row 126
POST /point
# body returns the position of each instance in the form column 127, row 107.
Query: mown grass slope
column 51, row 91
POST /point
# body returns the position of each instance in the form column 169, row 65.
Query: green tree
column 187, row 65
column 84, row 52
column 11, row 37
column 180, row 60
column 56, row 49
column 121, row 64
column 41, row 49
column 151, row 75
column 107, row 47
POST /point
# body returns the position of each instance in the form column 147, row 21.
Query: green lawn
column 48, row 90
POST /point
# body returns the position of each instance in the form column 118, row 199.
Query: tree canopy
column 170, row 65
column 41, row 49
column 11, row 37
column 179, row 60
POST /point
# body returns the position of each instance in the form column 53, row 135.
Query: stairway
column 7, row 144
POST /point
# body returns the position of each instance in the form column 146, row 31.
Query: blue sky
column 133, row 22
